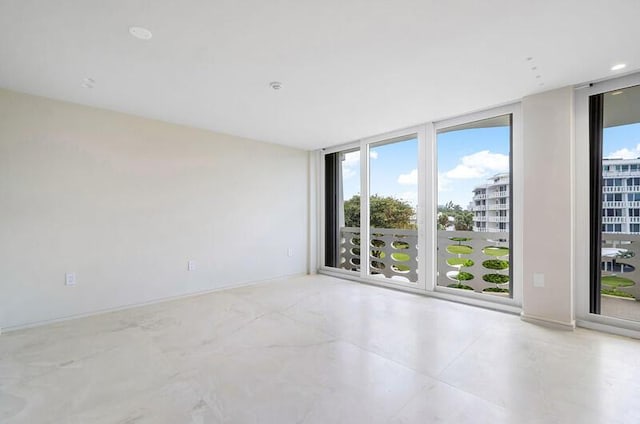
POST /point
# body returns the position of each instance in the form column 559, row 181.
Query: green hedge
column 496, row 278
column 460, row 249
column 495, row 264
column 464, row 276
column 460, row 261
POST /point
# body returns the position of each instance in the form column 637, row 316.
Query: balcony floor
column 315, row 350
column 620, row 308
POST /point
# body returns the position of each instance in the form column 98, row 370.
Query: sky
column 621, row 142
column 466, row 159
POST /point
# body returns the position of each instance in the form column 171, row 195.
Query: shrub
column 496, row 278
column 495, row 290
column 460, row 261
column 460, row 286
column 459, row 239
column 617, row 293
column 461, row 249
column 464, row 276
column 495, row 264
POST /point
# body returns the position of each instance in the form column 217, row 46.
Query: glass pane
column 393, row 190
column 474, row 198
column 620, row 204
column 350, row 210
column 342, row 210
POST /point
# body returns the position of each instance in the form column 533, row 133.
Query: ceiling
column 349, row 68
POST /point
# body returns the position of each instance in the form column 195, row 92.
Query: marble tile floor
column 315, row 349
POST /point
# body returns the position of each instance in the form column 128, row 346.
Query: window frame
column 427, row 209
column 581, row 210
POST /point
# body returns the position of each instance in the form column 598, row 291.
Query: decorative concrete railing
column 476, row 260
column 393, row 252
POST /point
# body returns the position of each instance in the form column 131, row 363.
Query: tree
column 463, row 221
column 386, row 212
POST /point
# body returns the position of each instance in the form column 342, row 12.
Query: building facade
column 490, row 205
column 620, row 199
column 621, row 196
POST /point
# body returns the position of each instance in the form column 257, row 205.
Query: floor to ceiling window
column 379, row 193
column 393, row 200
column 614, row 128
column 342, row 210
column 474, row 212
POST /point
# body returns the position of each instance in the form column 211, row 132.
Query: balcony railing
column 393, row 252
column 614, row 219
column 499, row 207
column 469, row 257
column 498, row 219
column 497, row 194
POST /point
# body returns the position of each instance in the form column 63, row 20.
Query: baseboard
column 561, row 325
column 145, row 303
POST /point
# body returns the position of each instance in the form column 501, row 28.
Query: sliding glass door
column 342, row 210
column 393, row 201
column 474, row 212
column 379, row 193
column 614, row 132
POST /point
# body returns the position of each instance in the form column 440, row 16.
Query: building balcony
column 479, row 196
column 499, row 194
column 498, row 219
column 614, row 219
column 612, row 204
column 499, row 207
column 479, row 208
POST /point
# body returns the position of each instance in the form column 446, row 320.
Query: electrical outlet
column 70, row 279
column 191, row 265
column 290, row 252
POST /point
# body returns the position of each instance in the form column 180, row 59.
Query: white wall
column 548, row 201
column 125, row 202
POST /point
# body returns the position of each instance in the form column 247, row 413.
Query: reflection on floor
column 315, row 350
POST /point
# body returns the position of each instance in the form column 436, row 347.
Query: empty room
column 319, row 211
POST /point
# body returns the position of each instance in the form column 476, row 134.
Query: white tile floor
column 315, row 350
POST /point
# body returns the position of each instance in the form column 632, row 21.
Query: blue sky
column 466, row 158
column 621, row 142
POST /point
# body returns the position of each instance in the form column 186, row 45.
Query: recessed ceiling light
column 275, row 85
column 141, row 33
column 618, row 67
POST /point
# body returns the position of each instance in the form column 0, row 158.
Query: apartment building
column 621, row 196
column 490, row 205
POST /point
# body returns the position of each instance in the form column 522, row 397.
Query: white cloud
column 409, row 196
column 444, row 183
column 351, row 163
column 625, row 153
column 478, row 165
column 409, row 179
